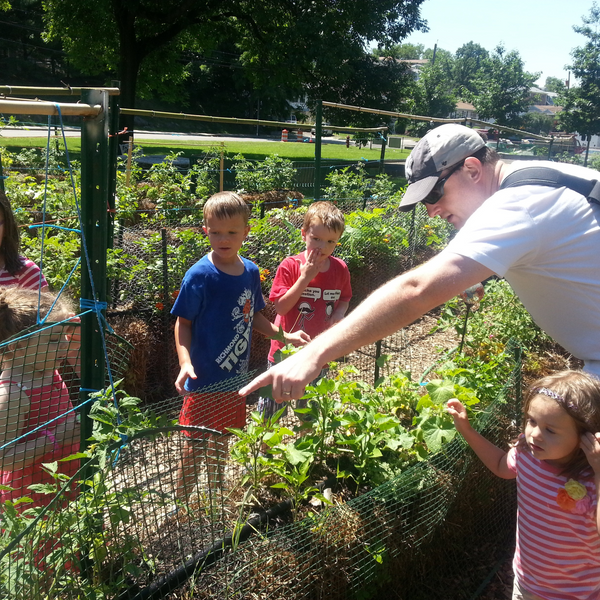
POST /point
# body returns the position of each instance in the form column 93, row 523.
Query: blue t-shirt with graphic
column 221, row 308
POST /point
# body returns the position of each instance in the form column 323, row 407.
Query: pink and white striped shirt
column 28, row 277
column 557, row 555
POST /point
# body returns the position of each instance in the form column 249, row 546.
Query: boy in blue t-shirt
column 217, row 307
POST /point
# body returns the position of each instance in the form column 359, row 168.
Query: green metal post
column 377, row 356
column 94, row 217
column 382, row 158
column 318, row 130
column 1, row 175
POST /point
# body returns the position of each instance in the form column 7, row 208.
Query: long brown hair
column 578, row 394
column 9, row 247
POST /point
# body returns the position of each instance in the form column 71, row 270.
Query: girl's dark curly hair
column 9, row 247
column 578, row 394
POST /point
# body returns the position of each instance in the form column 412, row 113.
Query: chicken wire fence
column 119, row 528
column 432, row 531
column 151, row 258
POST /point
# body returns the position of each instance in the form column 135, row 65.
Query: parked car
column 324, row 130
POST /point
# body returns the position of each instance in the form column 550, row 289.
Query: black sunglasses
column 438, row 189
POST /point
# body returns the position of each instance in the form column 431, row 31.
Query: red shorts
column 217, row 410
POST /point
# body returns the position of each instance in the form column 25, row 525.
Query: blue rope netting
column 87, row 305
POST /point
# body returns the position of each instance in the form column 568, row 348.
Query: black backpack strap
column 590, row 188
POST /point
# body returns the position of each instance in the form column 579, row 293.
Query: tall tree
column 432, row 95
column 280, row 42
column 468, row 60
column 581, row 104
column 501, row 89
column 364, row 81
column 554, row 84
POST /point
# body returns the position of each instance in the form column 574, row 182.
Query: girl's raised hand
column 590, row 444
column 456, row 409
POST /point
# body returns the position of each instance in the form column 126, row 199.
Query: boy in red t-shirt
column 311, row 291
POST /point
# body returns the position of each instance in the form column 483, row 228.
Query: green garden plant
column 274, row 173
column 95, row 555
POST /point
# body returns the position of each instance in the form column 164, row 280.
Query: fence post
column 318, row 127
column 94, row 225
column 518, row 357
column 94, row 222
column 128, row 165
column 377, row 355
column 382, row 158
column 1, row 175
column 222, row 166
column 165, row 309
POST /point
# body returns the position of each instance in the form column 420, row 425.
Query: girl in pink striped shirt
column 15, row 270
column 556, row 462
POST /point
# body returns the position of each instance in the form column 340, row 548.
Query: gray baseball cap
column 441, row 148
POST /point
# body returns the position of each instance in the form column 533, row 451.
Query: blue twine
column 43, row 225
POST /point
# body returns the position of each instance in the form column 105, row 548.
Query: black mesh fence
column 434, row 530
column 152, row 258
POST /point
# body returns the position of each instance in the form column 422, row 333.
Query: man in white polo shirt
column 544, row 240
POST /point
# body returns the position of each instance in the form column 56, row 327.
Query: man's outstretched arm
column 392, row 306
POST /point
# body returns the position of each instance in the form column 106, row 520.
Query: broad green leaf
column 440, row 391
column 295, row 456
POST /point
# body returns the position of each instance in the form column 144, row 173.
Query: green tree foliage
column 468, row 60
column 363, row 81
column 438, row 56
column 554, row 84
column 25, row 58
column 284, row 44
column 432, row 94
column 538, row 123
column 401, row 51
column 501, row 87
column 581, row 105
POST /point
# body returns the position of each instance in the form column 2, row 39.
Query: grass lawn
column 251, row 150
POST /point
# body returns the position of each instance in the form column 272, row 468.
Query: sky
column 542, row 32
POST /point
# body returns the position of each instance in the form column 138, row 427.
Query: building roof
column 546, row 109
column 464, row 106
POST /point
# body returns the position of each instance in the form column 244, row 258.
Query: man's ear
column 474, row 168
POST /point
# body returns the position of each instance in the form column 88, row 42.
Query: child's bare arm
column 268, row 329
column 183, row 343
column 339, row 312
column 68, row 430
column 590, row 444
column 494, row 458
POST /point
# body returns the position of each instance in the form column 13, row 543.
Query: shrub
column 274, row 173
